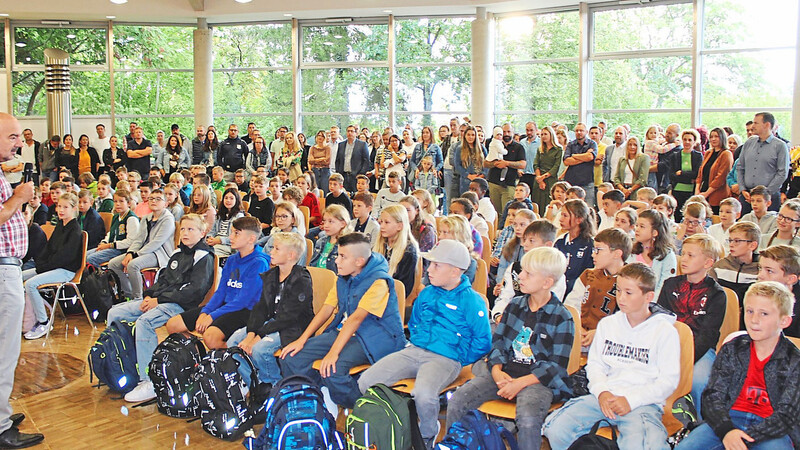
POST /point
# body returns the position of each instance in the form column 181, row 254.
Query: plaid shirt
column 554, row 332
column 504, row 236
column 14, row 232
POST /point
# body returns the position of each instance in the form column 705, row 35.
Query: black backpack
column 593, row 441
column 112, row 358
column 222, row 406
column 172, row 372
column 100, row 290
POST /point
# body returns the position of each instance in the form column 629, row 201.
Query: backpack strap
column 417, row 443
column 596, row 427
column 509, row 438
column 246, row 357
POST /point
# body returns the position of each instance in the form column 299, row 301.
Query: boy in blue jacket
column 238, row 291
column 449, row 328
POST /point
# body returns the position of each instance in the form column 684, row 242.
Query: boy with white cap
column 449, row 329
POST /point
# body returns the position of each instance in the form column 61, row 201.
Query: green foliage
column 156, row 47
column 655, row 27
column 345, row 43
column 86, row 46
column 252, row 46
column 523, row 38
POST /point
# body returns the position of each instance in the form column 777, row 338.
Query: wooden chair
column 732, row 313
column 48, row 230
column 492, row 231
column 536, row 209
column 417, row 287
column 214, row 284
column 481, row 277
column 186, row 210
column 59, row 288
column 107, row 219
column 309, row 250
column 246, row 207
column 321, row 201
column 678, row 267
column 306, row 215
column 178, row 234
column 715, row 219
column 795, row 341
column 486, row 253
column 219, row 196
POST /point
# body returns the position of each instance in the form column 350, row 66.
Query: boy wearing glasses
column 739, row 269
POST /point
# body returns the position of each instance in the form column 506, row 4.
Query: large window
column 2, row 43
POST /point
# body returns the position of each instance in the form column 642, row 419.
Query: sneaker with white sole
column 141, row 393
column 38, row 331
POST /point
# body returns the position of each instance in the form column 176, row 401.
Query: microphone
column 27, row 173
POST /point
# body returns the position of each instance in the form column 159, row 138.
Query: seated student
column 285, row 220
column 239, row 289
column 39, row 211
column 627, row 388
column 397, row 245
column 69, row 183
column 124, row 226
column 201, row 204
column 261, row 205
column 218, row 179
column 389, row 195
column 448, row 307
column 595, row 292
column 625, row 220
column 694, row 218
column 600, row 191
column 423, row 231
column 752, row 400
column 485, row 208
column 512, row 251
column 473, row 198
column 522, row 193
column 366, row 326
column 174, row 204
column 427, row 177
column 363, row 222
column 362, row 186
column 37, row 240
column 104, row 201
column 229, row 210
column 427, row 205
column 652, row 246
column 283, row 176
column 309, row 199
column 504, row 235
column 89, row 220
column 275, row 190
column 334, row 224
column 709, row 210
column 729, row 211
column 699, row 302
column 781, row 263
column 184, row 190
column 134, row 178
column 282, row 313
column 143, row 208
column 760, row 201
column 644, row 200
column 463, row 208
column 667, row 205
column 152, row 246
column 44, row 186
column 57, row 189
column 612, row 202
column 530, row 352
column 181, row 285
column 458, row 229
column 241, row 183
column 558, row 193
column 86, row 182
column 739, row 269
column 337, row 195
column 57, row 263
column 787, row 226
column 577, row 243
column 540, row 233
column 576, row 193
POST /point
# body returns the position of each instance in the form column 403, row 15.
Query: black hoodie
column 186, row 279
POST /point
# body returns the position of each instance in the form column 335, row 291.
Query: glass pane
column 748, row 23
column 639, row 121
column 28, row 95
column 150, row 125
column 736, row 120
column 751, row 79
column 643, row 28
column 434, row 40
column 90, row 93
column 537, row 87
column 645, row 83
column 138, row 47
column 267, row 126
column 345, row 43
column 253, row 46
column 154, row 92
column 518, row 121
column 360, row 89
column 418, row 121
column 523, row 38
column 433, row 88
column 312, row 124
column 253, row 92
column 84, row 45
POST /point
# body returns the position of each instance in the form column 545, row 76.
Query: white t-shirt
column 720, row 235
column 28, row 154
column 14, row 177
column 616, row 153
column 486, row 209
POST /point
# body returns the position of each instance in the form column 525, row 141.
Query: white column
column 483, row 69
column 796, row 99
column 203, row 77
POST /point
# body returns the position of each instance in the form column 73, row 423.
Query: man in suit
column 352, row 159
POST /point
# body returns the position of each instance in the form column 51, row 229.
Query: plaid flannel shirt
column 14, row 231
column 504, row 236
column 554, row 332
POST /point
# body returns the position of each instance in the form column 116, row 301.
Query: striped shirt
column 14, row 232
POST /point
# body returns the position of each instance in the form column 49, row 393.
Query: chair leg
column 53, row 314
column 80, row 297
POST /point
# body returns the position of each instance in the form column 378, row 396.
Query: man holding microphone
column 13, row 246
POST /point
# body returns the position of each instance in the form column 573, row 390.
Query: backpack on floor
column 172, row 372
column 112, row 358
column 221, row 397
column 384, row 418
column 593, row 441
column 99, row 288
column 296, row 419
column 474, row 431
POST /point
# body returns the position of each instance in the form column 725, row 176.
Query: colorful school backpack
column 296, row 419
column 112, row 358
column 383, row 418
column 475, row 432
column 172, row 372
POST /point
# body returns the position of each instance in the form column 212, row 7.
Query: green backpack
column 383, row 419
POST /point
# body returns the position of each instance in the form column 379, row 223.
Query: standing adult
column 114, row 157
column 530, row 143
column 673, row 144
column 131, row 132
column 501, row 188
column 67, row 158
column 88, row 159
column 29, row 153
column 426, row 147
column 197, row 145
column 717, row 162
column 335, row 138
column 352, row 159
column 232, row 153
column 451, row 179
column 251, row 133
column 545, row 166
column 99, row 143
column 633, row 169
column 13, row 246
column 763, row 161
column 579, row 158
column 159, row 148
column 47, row 158
column 614, row 152
column 684, row 166
column 468, row 159
column 139, row 151
column 594, row 134
column 183, row 140
column 319, row 156
column 276, row 146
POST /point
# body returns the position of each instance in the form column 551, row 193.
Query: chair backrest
column 732, row 312
column 575, row 353
column 486, row 254
column 321, row 201
column 685, row 382
column 246, row 207
column 715, row 219
column 48, row 230
column 535, row 208
column 492, row 231
column 178, row 234
column 186, row 210
column 678, row 270
column 417, row 284
column 481, row 277
column 219, row 196
column 309, row 250
column 107, row 219
column 400, row 290
column 79, row 274
column 322, row 280
column 214, row 284
column 306, row 215
column 795, row 341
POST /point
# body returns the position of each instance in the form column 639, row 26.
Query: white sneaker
column 330, row 405
column 38, row 331
column 141, row 393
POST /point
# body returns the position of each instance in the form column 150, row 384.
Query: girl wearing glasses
column 788, row 223
column 285, row 219
column 694, row 220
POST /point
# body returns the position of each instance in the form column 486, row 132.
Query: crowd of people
column 633, row 233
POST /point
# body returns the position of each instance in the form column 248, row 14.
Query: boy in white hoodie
column 634, row 365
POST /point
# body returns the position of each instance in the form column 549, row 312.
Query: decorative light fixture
column 287, row 15
column 119, row 2
column 21, row 44
column 387, row 11
column 111, row 17
column 3, row 14
column 71, row 36
column 243, row 1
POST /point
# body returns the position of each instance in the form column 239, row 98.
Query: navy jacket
column 92, row 224
column 359, row 163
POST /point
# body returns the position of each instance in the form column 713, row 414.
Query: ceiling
column 225, row 11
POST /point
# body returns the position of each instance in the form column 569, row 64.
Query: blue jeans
column 451, row 186
column 639, row 429
column 343, row 388
column 32, row 283
column 263, row 357
column 322, row 175
column 701, row 373
column 96, row 257
column 146, row 324
column 703, row 437
column 591, row 198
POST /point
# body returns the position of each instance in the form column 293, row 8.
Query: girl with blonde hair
column 326, row 249
column 201, row 205
column 397, row 244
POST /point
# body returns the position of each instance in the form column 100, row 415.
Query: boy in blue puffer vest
column 366, row 327
column 449, row 328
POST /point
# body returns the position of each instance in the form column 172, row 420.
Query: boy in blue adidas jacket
column 239, row 290
column 449, row 328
